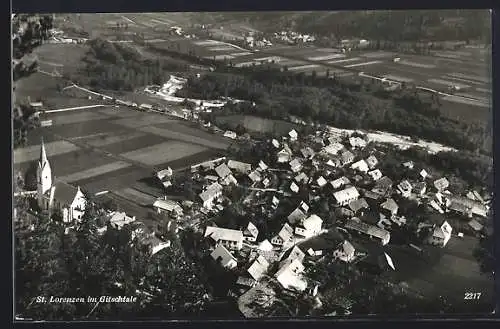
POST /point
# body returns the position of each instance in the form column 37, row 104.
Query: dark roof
column 64, row 192
column 358, row 204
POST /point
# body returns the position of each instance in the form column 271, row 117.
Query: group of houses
column 343, row 171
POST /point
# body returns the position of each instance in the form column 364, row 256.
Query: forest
column 81, row 262
column 28, row 32
column 120, row 67
column 279, row 94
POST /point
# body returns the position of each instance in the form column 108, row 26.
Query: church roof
column 64, row 192
column 43, row 154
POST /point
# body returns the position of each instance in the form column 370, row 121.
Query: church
column 55, row 195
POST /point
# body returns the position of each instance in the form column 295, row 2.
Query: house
column 301, row 178
column 408, row 164
column 372, row 231
column 346, row 157
column 441, row 184
column 296, row 216
column 245, row 281
column 309, row 227
column 441, row 235
column 304, row 206
column 345, row 252
column 383, row 186
column 321, row 181
column 345, row 196
column 293, row 135
column 241, row 167
column 295, row 165
column 120, row 219
column 371, row 197
column 390, row 207
column 307, row 152
column 54, row 195
column 476, row 225
column 423, row 174
column 258, row 268
column 165, row 173
column 360, row 165
column 275, row 143
column 231, row 239
column 251, row 232
column 283, row 236
column 154, row 244
column 289, row 275
column 294, row 253
column 275, row 201
column 284, row 155
column 263, row 166
column 255, row 176
column 340, row 182
column 229, row 180
column 357, row 142
column 466, row 206
column 358, row 205
column 266, row 182
column 435, row 206
column 294, row 187
column 375, row 174
column 333, row 148
column 404, row 188
column 420, row 188
column 265, row 246
column 372, row 162
column 223, row 170
column 224, row 257
column 230, row 134
column 208, row 196
column 167, row 206
column 334, row 162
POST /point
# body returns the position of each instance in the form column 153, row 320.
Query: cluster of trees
column 342, row 104
column 81, row 263
column 28, row 32
column 120, row 67
column 390, row 25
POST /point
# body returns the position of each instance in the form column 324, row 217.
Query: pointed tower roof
column 43, row 154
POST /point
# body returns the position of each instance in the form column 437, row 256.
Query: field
column 116, row 148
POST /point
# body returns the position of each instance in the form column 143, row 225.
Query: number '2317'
column 472, row 295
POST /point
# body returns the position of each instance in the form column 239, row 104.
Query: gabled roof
column 251, row 230
column 286, row 232
column 168, row 205
column 302, row 177
column 345, row 194
column 360, row 165
column 265, row 246
column 375, row 174
column 224, row 254
column 218, row 233
column 296, row 216
column 293, row 134
column 384, row 183
column 307, row 152
column 211, row 191
column 255, row 176
column 262, row 165
column 258, row 268
column 390, row 205
column 347, row 156
column 348, row 248
column 64, row 192
column 371, row 161
column 296, row 253
column 242, row 167
column 312, row 222
column 340, row 182
column 333, row 148
column 223, row 170
column 358, row 204
column 441, row 184
column 321, row 181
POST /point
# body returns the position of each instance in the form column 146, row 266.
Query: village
column 264, row 221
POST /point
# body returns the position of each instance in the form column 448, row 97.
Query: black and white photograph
column 252, row 165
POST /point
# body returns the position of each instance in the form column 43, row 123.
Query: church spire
column 43, row 154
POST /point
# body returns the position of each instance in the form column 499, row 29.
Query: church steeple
column 43, row 174
column 43, row 155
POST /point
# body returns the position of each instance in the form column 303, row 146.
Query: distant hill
column 395, row 25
